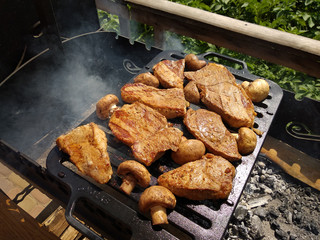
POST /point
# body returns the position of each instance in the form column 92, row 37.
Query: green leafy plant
column 108, row 22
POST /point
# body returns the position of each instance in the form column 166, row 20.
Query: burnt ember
column 275, row 206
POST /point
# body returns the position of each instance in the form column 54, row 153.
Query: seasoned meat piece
column 147, row 78
column 87, row 148
column 136, row 121
column 209, row 75
column 169, row 102
column 220, row 93
column 145, row 130
column 208, row 127
column 152, row 148
column 208, row 178
column 170, row 73
column 231, row 102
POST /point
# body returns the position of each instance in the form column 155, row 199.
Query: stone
column 288, row 216
column 261, row 212
column 282, row 208
column 269, row 171
column 297, row 217
column 256, row 228
column 262, row 178
column 274, row 224
column 241, row 212
column 273, row 213
column 293, row 236
column 266, row 189
column 243, row 231
column 270, row 181
column 308, row 191
column 314, row 228
column 280, row 234
column 259, row 201
column 262, row 165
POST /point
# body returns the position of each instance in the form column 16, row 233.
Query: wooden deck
column 28, row 213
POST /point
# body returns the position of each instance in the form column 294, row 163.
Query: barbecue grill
column 57, row 92
column 119, row 65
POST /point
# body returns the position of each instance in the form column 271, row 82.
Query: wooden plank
column 296, row 52
column 70, row 234
column 17, row 224
column 57, row 222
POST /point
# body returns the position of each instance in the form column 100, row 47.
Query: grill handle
column 75, row 223
column 79, row 188
column 230, row 59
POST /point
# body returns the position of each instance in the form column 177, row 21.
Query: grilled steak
column 169, row 102
column 145, row 130
column 211, row 74
column 87, row 147
column 208, row 178
column 208, row 127
column 220, row 93
column 170, row 73
column 136, row 121
column 231, row 102
column 152, row 148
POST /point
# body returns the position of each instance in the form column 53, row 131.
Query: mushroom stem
column 236, row 135
column 106, row 106
column 128, row 184
column 113, row 108
column 257, row 131
column 158, row 215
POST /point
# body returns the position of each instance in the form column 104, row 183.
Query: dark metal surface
column 49, row 24
column 305, row 112
column 198, row 219
column 57, row 91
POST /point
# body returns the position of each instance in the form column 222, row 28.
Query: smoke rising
column 51, row 94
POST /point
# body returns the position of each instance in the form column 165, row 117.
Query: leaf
column 218, row 7
column 225, row 1
column 308, row 2
column 305, row 16
column 245, row 5
column 310, row 23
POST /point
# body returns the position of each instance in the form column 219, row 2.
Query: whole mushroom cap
column 193, row 63
column 105, row 104
column 247, row 140
column 156, row 196
column 189, row 150
column 147, row 79
column 137, row 170
column 257, row 90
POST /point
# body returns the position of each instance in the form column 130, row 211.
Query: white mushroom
column 106, row 106
column 189, row 150
column 147, row 79
column 133, row 173
column 246, row 140
column 257, row 90
column 193, row 63
column 157, row 199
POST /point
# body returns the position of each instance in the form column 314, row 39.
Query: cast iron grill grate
column 196, row 219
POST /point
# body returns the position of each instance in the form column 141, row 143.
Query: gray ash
column 274, row 205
